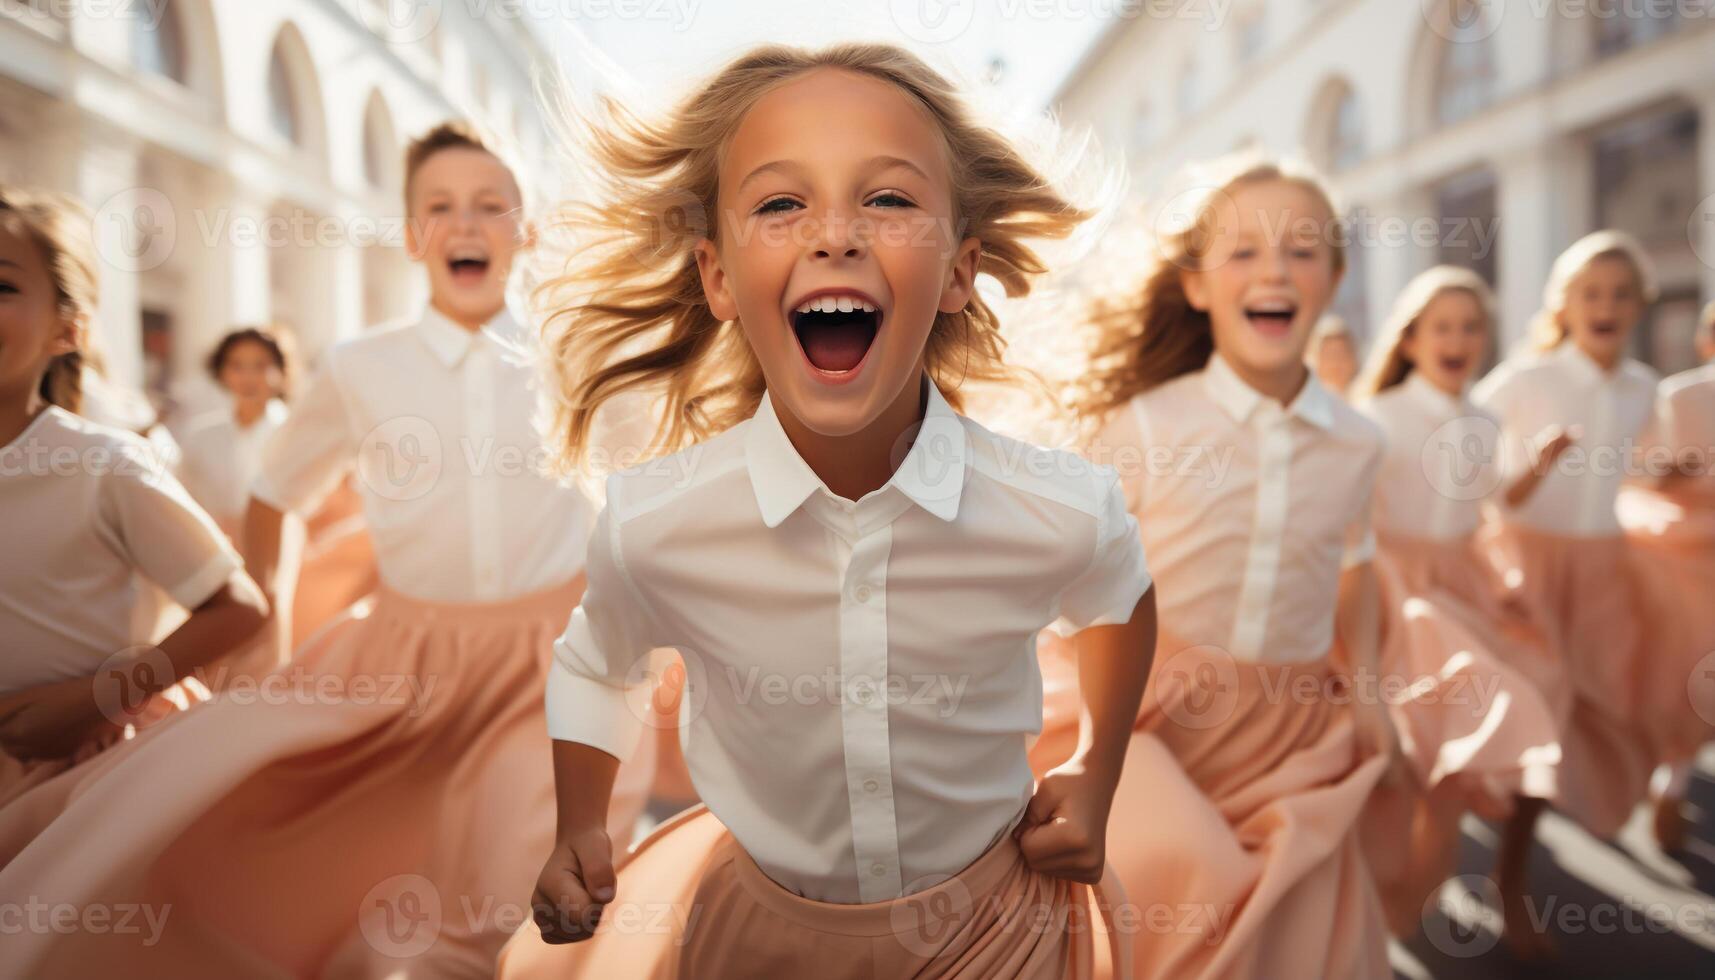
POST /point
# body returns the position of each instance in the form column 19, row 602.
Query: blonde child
column 1474, row 724
column 84, row 511
column 841, row 536
column 1571, row 413
column 1333, row 353
column 313, row 821
column 1252, row 758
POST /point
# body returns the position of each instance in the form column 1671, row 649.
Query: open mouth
column 1272, row 319
column 468, row 269
column 836, row 331
column 1605, row 328
column 1454, row 365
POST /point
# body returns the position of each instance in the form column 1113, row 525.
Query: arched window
column 1335, row 131
column 379, row 150
column 284, row 113
column 158, row 42
column 1465, row 81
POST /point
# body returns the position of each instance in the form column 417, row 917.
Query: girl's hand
column 575, row 886
column 52, row 721
column 1065, row 828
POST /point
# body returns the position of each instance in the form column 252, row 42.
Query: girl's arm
column 53, row 720
column 1357, row 618
column 1550, row 443
column 260, row 545
column 1064, row 831
column 578, row 880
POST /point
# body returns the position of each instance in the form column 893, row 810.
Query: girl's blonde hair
column 1149, row 333
column 1546, row 330
column 58, row 226
column 627, row 312
column 1387, row 365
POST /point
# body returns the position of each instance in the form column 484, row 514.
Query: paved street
column 1617, row 909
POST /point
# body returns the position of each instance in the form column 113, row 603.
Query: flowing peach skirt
column 18, row 776
column 379, row 807
column 1672, row 547
column 1235, row 825
column 1580, row 590
column 1474, row 731
column 692, row 904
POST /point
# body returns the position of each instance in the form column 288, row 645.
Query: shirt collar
column 1431, row 397
column 450, row 342
column 1582, row 367
column 932, row 474
column 1239, row 400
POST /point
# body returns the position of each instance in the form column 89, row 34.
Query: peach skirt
column 1579, row 589
column 1474, row 731
column 692, row 904
column 18, row 776
column 1672, row 548
column 1235, row 825
column 382, row 809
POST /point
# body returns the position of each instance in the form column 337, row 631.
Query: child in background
column 1670, row 531
column 1473, row 724
column 85, row 510
column 842, row 529
column 306, row 830
column 1333, row 353
column 1243, row 801
column 1571, row 413
column 221, row 451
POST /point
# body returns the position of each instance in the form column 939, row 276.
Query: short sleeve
column 312, row 451
column 603, row 654
column 161, row 532
column 1117, row 576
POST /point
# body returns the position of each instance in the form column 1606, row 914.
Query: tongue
column 835, row 347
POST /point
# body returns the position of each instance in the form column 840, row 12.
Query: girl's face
column 33, row 328
column 1448, row 341
column 1268, row 276
column 466, row 226
column 836, row 245
column 249, row 372
column 1604, row 303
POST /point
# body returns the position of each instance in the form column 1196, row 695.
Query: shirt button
column 863, row 593
column 871, row 786
column 878, row 869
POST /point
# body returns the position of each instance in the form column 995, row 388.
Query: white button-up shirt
column 437, row 420
column 219, row 459
column 82, row 508
column 862, row 682
column 1565, row 387
column 1685, row 419
column 1249, row 509
column 1440, row 465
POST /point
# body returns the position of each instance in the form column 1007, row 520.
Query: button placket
column 864, row 718
column 1262, row 559
column 482, row 487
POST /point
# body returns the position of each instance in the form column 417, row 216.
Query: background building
column 1531, row 121
column 244, row 156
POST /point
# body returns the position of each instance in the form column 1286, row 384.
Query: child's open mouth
column 1454, row 365
column 1605, row 328
column 835, row 331
column 1272, row 319
column 468, row 269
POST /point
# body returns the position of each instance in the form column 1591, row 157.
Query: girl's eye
column 777, row 205
column 890, row 199
column 1304, row 253
column 1244, row 252
column 6, row 287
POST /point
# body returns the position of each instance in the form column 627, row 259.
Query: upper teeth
column 1272, row 308
column 834, row 304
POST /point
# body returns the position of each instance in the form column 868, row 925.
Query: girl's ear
column 1408, row 344
column 527, row 236
column 68, row 335
column 962, row 277
column 715, row 287
column 1196, row 289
